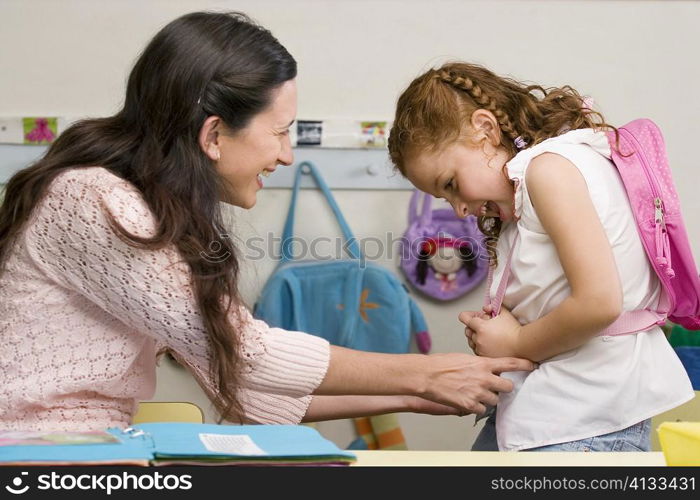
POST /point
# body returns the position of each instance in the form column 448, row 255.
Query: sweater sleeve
column 70, row 239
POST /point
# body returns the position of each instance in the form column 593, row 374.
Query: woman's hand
column 492, row 337
column 469, row 383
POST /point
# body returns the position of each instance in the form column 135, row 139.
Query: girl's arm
column 561, row 199
column 563, row 204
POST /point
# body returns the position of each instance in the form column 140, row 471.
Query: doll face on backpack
column 446, row 261
column 444, row 257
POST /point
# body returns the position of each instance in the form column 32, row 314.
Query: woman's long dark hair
column 199, row 65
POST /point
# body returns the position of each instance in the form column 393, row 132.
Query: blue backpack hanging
column 349, row 302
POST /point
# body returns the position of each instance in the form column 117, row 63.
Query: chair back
column 167, row 411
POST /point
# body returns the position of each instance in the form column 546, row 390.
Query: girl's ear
column 485, row 126
column 209, row 137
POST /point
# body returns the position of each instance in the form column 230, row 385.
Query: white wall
column 637, row 58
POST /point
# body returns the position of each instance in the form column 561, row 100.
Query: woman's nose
column 286, row 156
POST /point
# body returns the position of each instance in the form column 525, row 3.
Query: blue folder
column 209, row 444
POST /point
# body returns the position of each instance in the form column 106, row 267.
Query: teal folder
column 176, row 443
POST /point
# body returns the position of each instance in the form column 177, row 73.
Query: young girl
column 533, row 165
column 104, row 248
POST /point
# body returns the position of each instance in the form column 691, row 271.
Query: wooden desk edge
column 506, row 459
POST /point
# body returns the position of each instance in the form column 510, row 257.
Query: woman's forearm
column 461, row 381
column 335, row 407
column 359, row 372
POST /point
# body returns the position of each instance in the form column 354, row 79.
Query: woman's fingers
column 499, row 384
column 489, row 398
column 479, row 409
column 500, row 365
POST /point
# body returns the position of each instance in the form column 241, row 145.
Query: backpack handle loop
column 306, row 168
column 426, row 215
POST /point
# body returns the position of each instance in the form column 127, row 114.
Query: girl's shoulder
column 578, row 146
column 584, row 140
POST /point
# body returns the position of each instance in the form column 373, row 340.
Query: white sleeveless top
column 609, row 383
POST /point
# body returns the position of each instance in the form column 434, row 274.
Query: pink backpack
column 643, row 166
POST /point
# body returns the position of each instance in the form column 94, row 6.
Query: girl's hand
column 465, row 316
column 492, row 337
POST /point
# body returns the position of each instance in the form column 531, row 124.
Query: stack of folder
column 174, row 444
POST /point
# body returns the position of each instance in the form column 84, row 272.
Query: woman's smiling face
column 248, row 155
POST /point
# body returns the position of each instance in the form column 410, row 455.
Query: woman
column 103, row 246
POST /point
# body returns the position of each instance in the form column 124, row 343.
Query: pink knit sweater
column 82, row 315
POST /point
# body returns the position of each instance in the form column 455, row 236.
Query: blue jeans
column 633, row 438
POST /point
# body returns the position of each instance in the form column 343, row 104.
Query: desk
column 497, row 459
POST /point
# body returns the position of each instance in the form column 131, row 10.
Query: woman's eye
column 449, row 185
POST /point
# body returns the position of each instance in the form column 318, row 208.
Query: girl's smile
column 464, row 175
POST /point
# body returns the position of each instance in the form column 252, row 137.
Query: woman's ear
column 485, row 126
column 209, row 137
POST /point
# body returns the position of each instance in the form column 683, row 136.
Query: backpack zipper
column 663, row 247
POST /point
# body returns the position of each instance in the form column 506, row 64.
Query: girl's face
column 250, row 154
column 469, row 176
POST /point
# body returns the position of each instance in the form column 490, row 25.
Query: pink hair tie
column 587, row 103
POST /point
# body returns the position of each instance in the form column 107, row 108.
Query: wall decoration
column 309, row 132
column 374, row 134
column 40, row 130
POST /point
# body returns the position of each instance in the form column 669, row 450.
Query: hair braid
column 468, row 85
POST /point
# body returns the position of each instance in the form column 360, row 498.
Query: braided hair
column 436, row 108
